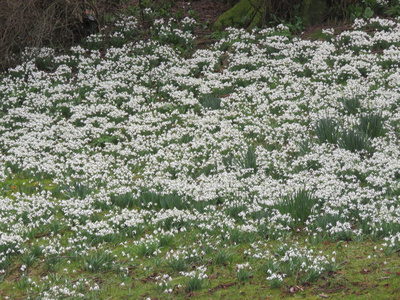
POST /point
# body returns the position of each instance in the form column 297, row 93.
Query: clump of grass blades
column 124, row 200
column 210, row 101
column 76, row 189
column 353, row 141
column 178, row 264
column 351, row 105
column 327, row 130
column 144, row 249
column 222, row 256
column 29, row 259
column 249, row 160
column 299, row 206
column 5, row 263
column 194, row 284
column 372, row 125
column 244, row 275
column 98, row 262
column 167, row 201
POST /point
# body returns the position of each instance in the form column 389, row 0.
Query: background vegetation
column 62, row 23
column 38, row 23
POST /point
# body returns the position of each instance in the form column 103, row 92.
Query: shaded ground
column 207, row 11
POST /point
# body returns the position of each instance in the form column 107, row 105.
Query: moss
column 237, row 15
column 257, row 18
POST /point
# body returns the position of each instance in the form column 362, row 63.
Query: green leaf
column 368, row 13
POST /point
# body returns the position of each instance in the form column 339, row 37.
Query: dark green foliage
column 76, row 189
column 244, row 275
column 210, row 101
column 249, row 160
column 5, row 264
column 167, row 201
column 234, row 211
column 98, row 262
column 106, row 139
column 124, row 201
column 372, row 125
column 186, row 138
column 313, row 11
column 194, row 284
column 351, row 105
column 35, row 250
column 353, row 141
column 52, row 263
column 177, row 264
column 66, row 112
column 171, row 201
column 327, row 130
column 299, row 205
column 166, row 240
column 144, row 249
column 222, row 256
column 28, row 259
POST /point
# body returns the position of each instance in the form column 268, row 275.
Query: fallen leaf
column 323, row 295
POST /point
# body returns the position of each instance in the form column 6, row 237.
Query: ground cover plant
column 264, row 165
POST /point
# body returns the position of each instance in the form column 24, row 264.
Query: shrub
column 38, row 23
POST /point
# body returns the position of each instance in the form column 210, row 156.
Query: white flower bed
column 140, row 138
